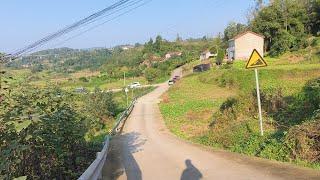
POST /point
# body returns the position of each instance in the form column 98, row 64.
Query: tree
column 151, row 74
column 282, row 22
column 148, row 47
column 102, row 105
column 232, row 30
column 37, row 68
column 43, row 135
column 313, row 9
column 158, row 44
column 220, row 56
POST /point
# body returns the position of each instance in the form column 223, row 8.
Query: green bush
column 315, row 42
column 312, row 92
column 220, row 56
column 83, row 79
column 43, row 135
column 275, row 149
column 304, row 141
column 151, row 74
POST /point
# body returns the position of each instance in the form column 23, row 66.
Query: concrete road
column 147, row 150
column 142, row 86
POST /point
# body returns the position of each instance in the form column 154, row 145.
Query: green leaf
column 20, row 126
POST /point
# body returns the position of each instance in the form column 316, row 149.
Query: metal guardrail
column 94, row 172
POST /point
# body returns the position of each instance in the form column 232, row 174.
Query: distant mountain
column 62, row 59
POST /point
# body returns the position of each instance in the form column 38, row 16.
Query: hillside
column 105, row 68
column 218, row 108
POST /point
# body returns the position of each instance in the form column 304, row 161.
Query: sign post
column 256, row 61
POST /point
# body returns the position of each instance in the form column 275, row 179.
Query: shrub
column 83, row 79
column 220, row 56
column 304, row 141
column 43, row 135
column 315, row 42
column 283, row 41
column 272, row 99
column 151, row 74
column 312, row 92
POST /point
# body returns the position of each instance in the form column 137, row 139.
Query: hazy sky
column 23, row 22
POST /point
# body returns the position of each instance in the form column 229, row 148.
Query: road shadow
column 120, row 160
column 191, row 172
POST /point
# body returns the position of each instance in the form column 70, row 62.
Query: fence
column 94, row 171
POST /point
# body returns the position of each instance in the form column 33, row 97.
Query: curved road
column 147, row 150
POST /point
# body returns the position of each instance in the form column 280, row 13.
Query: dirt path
column 147, row 150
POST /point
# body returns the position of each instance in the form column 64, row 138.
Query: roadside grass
column 121, row 98
column 188, row 106
column 218, row 108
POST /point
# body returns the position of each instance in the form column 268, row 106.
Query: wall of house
column 245, row 44
column 231, row 50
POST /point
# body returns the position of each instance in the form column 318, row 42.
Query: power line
column 70, row 28
column 129, row 4
column 94, row 27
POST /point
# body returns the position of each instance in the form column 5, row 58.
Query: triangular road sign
column 256, row 60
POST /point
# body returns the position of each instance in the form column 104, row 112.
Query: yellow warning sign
column 256, row 60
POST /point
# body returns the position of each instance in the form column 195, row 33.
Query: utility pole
column 124, row 79
column 132, row 93
column 126, row 90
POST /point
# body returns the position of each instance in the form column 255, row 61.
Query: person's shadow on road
column 191, row 172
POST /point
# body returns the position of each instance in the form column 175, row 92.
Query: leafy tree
column 233, row 29
column 313, row 8
column 102, row 106
column 220, row 56
column 282, row 22
column 43, row 135
column 37, row 68
column 158, row 44
column 151, row 74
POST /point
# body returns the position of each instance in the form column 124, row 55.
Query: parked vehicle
column 135, row 85
column 170, row 82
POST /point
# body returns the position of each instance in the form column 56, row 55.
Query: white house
column 242, row 45
column 206, row 55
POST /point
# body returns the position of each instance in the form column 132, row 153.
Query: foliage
column 220, row 56
column 102, row 106
column 151, row 74
column 43, row 133
column 312, row 92
column 290, row 104
column 284, row 24
column 232, row 30
column 304, row 141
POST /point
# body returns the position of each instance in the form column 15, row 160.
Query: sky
column 24, row 22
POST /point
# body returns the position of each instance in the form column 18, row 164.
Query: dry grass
column 85, row 73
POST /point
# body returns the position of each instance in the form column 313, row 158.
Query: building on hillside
column 172, row 54
column 206, row 55
column 127, row 47
column 242, row 45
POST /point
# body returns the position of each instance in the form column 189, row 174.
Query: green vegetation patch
column 219, row 109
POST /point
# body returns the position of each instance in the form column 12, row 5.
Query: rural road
column 147, row 150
